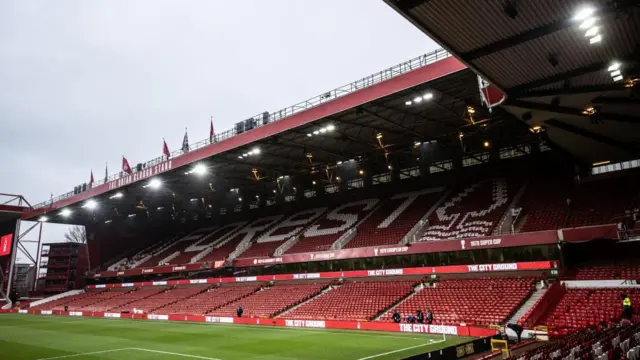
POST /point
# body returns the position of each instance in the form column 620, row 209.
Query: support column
column 14, row 254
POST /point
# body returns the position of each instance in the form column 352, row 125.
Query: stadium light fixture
column 65, row 212
column 614, row 66
column 117, row 195
column 408, row 102
column 417, row 99
column 596, row 39
column 43, row 219
column 584, row 13
column 587, row 24
column 615, row 73
column 155, row 183
column 90, row 204
column 427, row 96
column 593, row 31
column 200, row 169
column 618, row 78
column 322, row 130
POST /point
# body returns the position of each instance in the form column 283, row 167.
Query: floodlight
column 591, row 32
column 587, row 23
column 155, row 183
column 65, row 212
column 90, row 204
column 614, row 66
column 596, row 39
column 584, row 13
column 200, row 169
column 331, row 127
column 43, row 219
column 427, row 96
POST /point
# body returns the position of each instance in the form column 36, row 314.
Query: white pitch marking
column 83, row 354
column 176, row 354
column 431, row 342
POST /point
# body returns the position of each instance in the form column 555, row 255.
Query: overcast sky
column 85, row 82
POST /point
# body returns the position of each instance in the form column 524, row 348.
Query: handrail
column 266, row 117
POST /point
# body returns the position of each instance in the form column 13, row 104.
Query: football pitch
column 34, row 337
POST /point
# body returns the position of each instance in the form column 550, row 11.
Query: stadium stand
column 602, row 201
column 469, row 301
column 208, row 300
column 164, row 298
column 354, row 301
column 271, row 301
column 323, row 234
column 390, row 222
column 580, row 308
column 90, row 296
column 472, row 210
column 267, row 244
column 598, row 344
column 115, row 304
column 544, row 204
column 609, row 272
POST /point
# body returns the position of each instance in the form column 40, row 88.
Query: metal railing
column 267, row 118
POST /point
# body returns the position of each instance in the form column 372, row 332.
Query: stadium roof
column 12, row 207
column 552, row 59
column 376, row 121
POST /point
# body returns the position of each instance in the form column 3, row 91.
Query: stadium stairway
column 527, row 305
column 390, row 309
column 56, row 297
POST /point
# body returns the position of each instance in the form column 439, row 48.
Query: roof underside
column 308, row 159
column 536, row 53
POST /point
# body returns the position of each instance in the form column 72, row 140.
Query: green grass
column 34, row 337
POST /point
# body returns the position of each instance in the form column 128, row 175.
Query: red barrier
column 588, row 233
column 510, row 240
column 315, row 324
column 451, row 269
